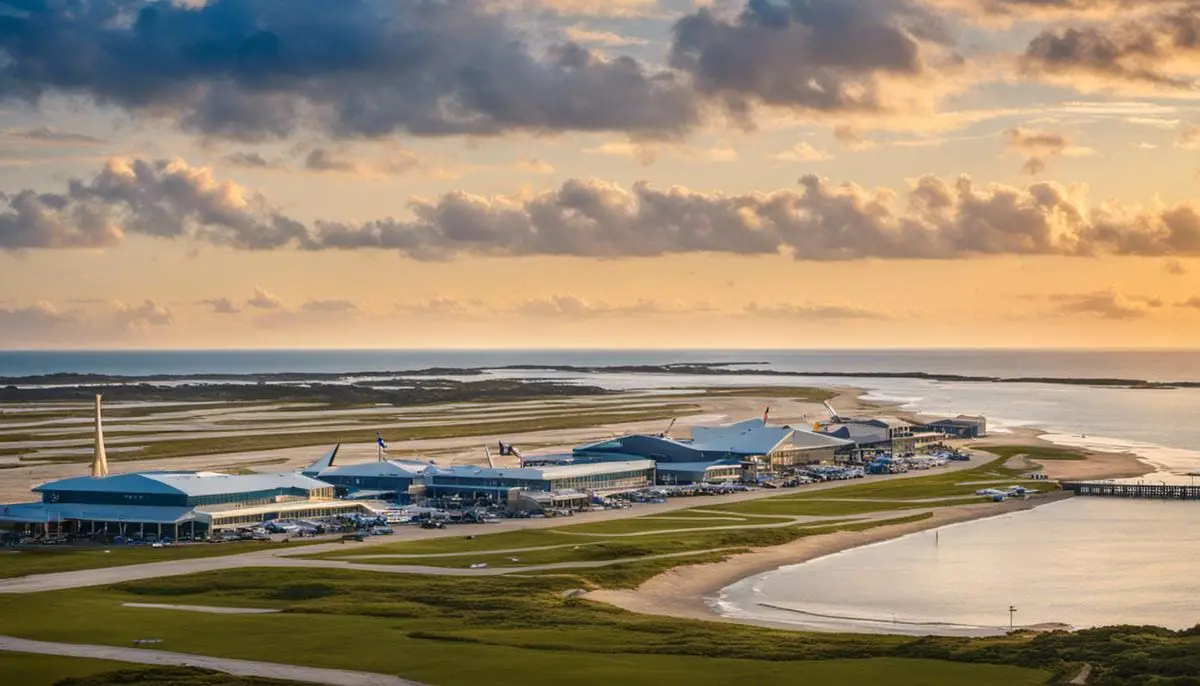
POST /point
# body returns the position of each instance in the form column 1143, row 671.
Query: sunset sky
column 599, row 173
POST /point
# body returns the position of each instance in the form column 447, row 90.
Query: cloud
column 40, row 316
column 1039, row 146
column 935, row 218
column 802, row 152
column 814, row 312
column 574, row 306
column 647, row 153
column 397, row 160
column 222, row 306
column 149, row 313
column 820, row 57
column 582, row 34
column 847, row 136
column 440, row 306
column 1106, row 304
column 581, row 8
column 1024, row 10
column 1193, row 302
column 252, row 69
column 248, row 160
column 1159, row 53
column 329, row 306
column 1188, row 137
column 1175, row 268
column 47, row 135
column 265, row 300
column 166, row 199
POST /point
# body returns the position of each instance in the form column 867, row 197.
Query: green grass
column 29, row 669
column 586, row 549
column 651, row 523
column 38, row 560
column 799, row 506
column 1033, row 452
column 454, row 632
column 26, row 669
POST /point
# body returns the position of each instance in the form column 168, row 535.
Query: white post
column 99, row 459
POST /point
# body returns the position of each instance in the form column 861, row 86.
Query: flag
column 379, row 440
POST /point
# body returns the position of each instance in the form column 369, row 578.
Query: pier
column 1157, row 491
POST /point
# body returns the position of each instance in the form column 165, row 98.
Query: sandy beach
column 686, row 592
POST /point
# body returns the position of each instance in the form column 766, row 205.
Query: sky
column 599, row 173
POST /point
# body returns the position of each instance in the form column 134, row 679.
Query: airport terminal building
column 506, row 485
column 194, row 504
column 721, row 453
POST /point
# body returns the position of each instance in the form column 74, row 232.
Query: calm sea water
column 1082, row 562
column 1149, row 365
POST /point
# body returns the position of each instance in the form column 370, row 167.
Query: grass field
column 39, row 560
column 455, row 632
column 24, row 669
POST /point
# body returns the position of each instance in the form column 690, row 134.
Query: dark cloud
column 222, row 306
column 811, row 55
column 1193, row 302
column 45, row 134
column 938, row 219
column 1037, row 147
column 322, row 160
column 1157, row 52
column 255, row 69
column 248, row 160
column 1106, row 304
column 1175, row 268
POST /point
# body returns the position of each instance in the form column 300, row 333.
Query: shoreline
column 686, row 592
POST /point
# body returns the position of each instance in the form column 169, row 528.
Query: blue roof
column 183, row 483
column 42, row 512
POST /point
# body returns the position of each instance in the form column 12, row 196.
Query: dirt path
column 271, row 670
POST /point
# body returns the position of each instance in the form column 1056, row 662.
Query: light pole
column 1012, row 610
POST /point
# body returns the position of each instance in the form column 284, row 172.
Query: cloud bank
column 935, row 218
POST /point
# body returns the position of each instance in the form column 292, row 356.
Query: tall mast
column 99, row 459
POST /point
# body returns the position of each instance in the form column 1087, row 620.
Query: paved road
column 273, row 670
column 274, row 558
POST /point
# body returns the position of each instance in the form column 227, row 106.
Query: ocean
column 1157, row 365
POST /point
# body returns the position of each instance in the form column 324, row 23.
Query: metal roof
column 542, row 473
column 696, row 466
column 752, row 438
column 43, row 512
column 388, row 468
column 185, row 483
